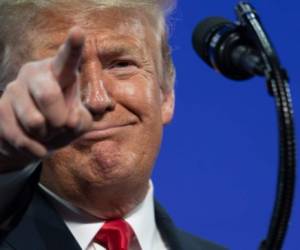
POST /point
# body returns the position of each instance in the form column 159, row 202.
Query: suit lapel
column 167, row 228
column 41, row 228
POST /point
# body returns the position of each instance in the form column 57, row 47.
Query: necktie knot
column 115, row 235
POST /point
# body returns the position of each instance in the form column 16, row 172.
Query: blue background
column 217, row 170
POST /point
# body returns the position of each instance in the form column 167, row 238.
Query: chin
column 105, row 162
column 111, row 159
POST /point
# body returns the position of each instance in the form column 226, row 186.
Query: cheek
column 139, row 94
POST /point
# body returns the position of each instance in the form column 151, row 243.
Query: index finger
column 66, row 62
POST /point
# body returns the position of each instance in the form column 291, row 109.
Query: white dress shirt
column 83, row 226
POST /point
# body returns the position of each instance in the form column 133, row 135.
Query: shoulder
column 194, row 242
column 177, row 238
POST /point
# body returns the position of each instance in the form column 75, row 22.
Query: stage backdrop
column 217, row 170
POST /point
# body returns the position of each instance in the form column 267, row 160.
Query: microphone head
column 203, row 33
column 215, row 39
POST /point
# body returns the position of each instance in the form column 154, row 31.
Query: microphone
column 240, row 51
column 226, row 47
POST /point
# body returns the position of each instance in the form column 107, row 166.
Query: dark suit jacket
column 42, row 228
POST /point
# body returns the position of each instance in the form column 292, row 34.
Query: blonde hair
column 16, row 19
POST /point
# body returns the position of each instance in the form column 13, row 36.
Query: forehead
column 120, row 20
column 117, row 25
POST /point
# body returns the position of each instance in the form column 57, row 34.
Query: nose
column 95, row 94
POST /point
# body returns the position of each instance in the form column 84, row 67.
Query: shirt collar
column 84, row 226
column 142, row 221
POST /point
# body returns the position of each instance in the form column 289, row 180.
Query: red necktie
column 115, row 235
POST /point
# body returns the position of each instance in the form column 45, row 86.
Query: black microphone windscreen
column 203, row 33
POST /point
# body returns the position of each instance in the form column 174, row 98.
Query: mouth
column 102, row 132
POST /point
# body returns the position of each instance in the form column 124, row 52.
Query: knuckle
column 6, row 133
column 28, row 67
column 74, row 120
column 32, row 70
column 11, row 87
column 35, row 121
column 19, row 142
column 5, row 122
column 12, row 138
column 48, row 96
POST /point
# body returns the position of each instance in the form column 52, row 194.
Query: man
column 88, row 89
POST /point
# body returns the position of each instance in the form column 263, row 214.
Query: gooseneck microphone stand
column 259, row 58
column 277, row 82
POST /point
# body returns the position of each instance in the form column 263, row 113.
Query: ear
column 167, row 106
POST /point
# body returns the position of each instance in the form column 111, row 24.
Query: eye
column 122, row 64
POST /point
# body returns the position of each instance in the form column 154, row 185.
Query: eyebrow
column 117, row 47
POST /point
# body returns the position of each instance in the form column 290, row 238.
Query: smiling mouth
column 104, row 132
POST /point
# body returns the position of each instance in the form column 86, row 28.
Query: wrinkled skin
column 106, row 171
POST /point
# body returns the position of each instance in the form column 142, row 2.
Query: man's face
column 121, row 86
